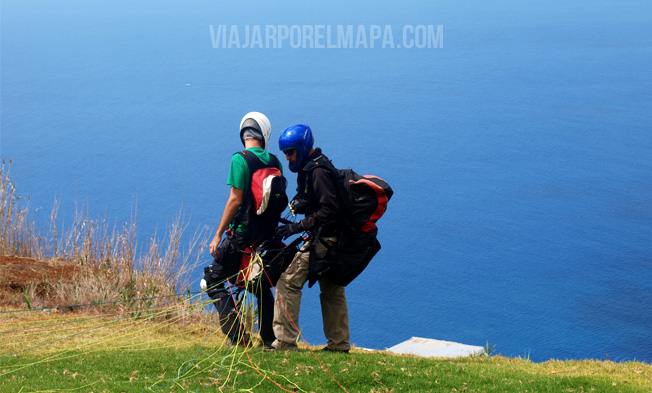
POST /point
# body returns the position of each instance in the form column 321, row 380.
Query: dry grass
column 16, row 231
column 110, row 268
column 174, row 324
column 629, row 372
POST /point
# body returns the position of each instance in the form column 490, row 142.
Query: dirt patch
column 17, row 273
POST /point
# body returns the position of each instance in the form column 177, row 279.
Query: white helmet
column 259, row 124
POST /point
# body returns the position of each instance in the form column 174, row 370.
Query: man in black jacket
column 317, row 199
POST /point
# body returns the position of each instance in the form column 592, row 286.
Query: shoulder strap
column 319, row 162
column 252, row 160
column 273, row 161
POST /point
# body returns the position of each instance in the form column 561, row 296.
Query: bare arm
column 231, row 208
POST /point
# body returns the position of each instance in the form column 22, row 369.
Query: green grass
column 135, row 371
column 70, row 352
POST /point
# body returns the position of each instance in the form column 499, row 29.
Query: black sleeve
column 325, row 197
column 301, row 194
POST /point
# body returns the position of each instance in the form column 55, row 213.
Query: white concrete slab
column 428, row 347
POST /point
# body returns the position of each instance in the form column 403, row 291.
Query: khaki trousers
column 334, row 310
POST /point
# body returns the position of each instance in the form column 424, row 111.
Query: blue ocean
column 516, row 136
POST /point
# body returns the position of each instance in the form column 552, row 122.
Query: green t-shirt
column 239, row 176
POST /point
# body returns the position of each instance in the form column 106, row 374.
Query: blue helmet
column 297, row 137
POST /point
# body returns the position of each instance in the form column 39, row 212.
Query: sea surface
column 519, row 149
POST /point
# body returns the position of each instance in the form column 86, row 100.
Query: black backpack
column 363, row 201
column 266, row 197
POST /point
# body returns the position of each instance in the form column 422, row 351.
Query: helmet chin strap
column 301, row 160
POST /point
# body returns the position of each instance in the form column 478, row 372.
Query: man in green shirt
column 236, row 221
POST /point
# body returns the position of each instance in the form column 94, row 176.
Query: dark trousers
column 227, row 265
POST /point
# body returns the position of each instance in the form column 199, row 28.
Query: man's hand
column 298, row 205
column 214, row 244
column 230, row 210
column 290, row 229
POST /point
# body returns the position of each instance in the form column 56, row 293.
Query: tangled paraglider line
column 58, row 336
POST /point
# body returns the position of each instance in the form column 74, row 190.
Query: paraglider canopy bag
column 344, row 262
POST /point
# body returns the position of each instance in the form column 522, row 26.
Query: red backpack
column 265, row 199
column 364, row 198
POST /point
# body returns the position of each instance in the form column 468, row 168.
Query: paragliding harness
column 248, row 252
column 363, row 201
column 262, row 265
column 260, row 212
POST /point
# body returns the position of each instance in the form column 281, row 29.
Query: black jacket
column 316, row 185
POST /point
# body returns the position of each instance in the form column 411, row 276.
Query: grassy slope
column 123, row 354
column 135, row 371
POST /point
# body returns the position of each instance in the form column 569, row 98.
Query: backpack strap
column 273, row 161
column 318, row 162
column 254, row 162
